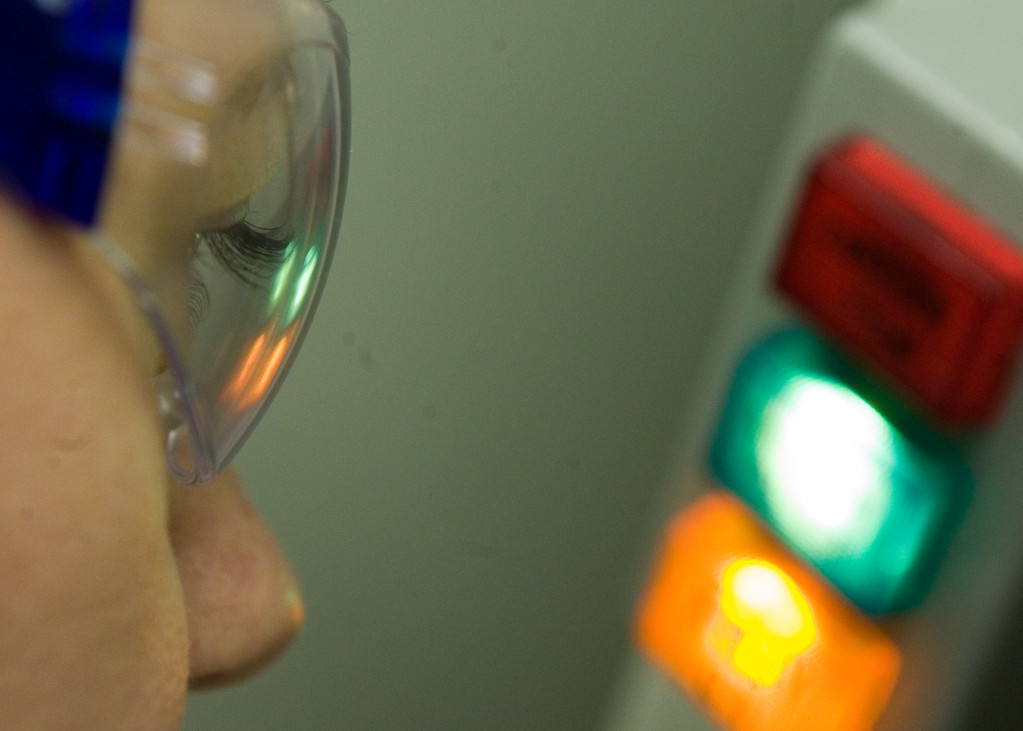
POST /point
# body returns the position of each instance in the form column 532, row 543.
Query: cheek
column 90, row 599
column 92, row 620
column 91, row 605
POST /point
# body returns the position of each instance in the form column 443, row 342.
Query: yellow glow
column 295, row 286
column 775, row 619
column 722, row 578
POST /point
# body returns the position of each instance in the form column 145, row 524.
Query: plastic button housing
column 754, row 635
column 903, row 275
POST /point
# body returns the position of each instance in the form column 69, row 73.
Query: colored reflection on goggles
column 297, row 286
column 258, row 371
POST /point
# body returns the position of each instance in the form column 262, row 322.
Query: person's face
column 119, row 589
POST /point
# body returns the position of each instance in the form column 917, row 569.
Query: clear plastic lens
column 223, row 210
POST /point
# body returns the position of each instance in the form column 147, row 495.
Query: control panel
column 842, row 549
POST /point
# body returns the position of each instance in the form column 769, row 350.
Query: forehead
column 235, row 42
column 236, row 45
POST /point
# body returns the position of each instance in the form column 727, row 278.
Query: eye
column 250, row 253
column 245, row 252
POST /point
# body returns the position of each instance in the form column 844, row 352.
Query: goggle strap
column 61, row 69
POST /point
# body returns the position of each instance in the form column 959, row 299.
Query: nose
column 242, row 601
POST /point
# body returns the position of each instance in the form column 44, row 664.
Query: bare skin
column 119, row 589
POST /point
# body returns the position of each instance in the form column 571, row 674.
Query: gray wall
column 545, row 200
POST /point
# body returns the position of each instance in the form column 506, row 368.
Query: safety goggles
column 203, row 147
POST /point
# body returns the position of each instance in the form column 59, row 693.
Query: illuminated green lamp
column 861, row 489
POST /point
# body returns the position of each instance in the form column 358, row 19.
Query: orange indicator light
column 754, row 635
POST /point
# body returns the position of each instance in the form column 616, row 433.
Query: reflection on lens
column 258, row 371
column 296, row 287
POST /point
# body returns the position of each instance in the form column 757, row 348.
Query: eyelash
column 249, row 253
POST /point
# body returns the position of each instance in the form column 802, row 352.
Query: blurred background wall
column 545, row 201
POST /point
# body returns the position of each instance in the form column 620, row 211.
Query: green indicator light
column 865, row 492
column 816, row 433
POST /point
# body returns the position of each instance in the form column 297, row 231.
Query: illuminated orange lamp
column 754, row 635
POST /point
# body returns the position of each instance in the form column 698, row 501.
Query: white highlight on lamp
column 826, row 458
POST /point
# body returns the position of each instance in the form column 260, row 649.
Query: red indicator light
column 762, row 642
column 904, row 276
